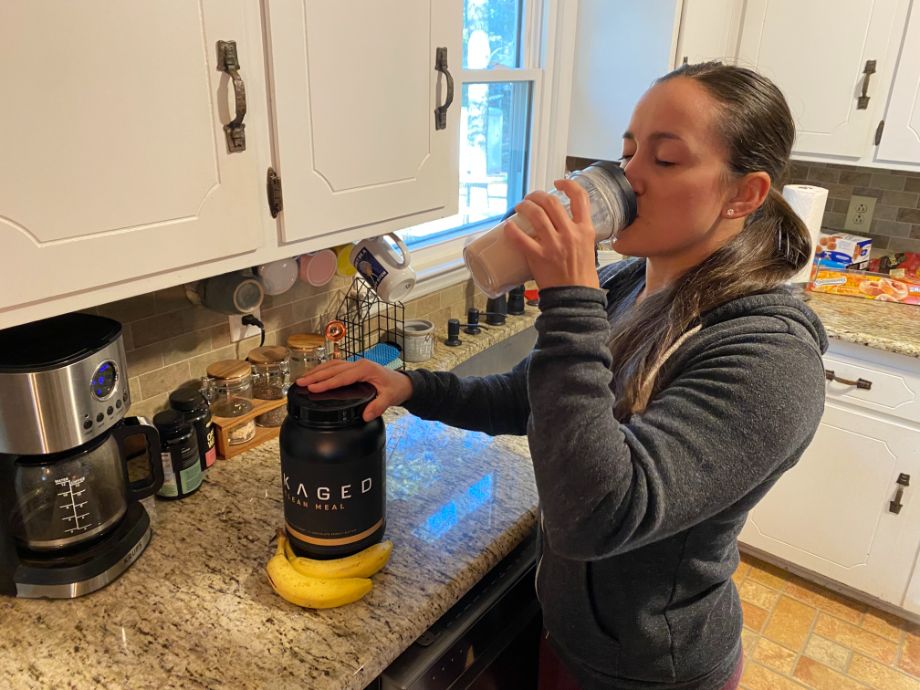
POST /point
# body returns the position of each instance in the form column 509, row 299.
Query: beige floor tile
column 740, row 573
column 821, row 677
column 748, row 639
column 758, row 594
column 884, row 624
column 790, row 623
column 757, row 677
column 910, row 653
column 880, row 677
column 754, row 616
column 827, row 652
column 774, row 656
column 856, row 638
column 824, row 599
column 769, row 575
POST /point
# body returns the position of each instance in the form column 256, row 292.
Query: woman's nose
column 634, row 176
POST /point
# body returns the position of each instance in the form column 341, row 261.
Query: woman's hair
column 757, row 130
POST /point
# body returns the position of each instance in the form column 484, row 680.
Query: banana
column 362, row 564
column 311, row 592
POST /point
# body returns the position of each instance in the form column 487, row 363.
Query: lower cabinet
column 845, row 511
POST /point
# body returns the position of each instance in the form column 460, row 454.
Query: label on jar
column 170, row 488
column 334, row 504
column 190, row 478
column 210, row 446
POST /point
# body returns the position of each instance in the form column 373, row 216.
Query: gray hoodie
column 639, row 519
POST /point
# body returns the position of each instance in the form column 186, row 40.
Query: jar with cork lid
column 271, row 378
column 307, row 351
column 230, row 393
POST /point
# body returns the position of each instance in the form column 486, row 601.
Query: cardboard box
column 842, row 249
column 875, row 286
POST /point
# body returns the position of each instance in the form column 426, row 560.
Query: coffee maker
column 70, row 517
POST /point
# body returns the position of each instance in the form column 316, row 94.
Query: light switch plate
column 859, row 214
column 238, row 331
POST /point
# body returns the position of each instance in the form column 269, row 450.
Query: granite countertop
column 196, row 610
column 882, row 325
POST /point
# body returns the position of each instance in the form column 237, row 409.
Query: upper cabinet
column 845, row 67
column 900, row 140
column 709, row 30
column 362, row 93
column 833, row 60
column 115, row 162
column 138, row 137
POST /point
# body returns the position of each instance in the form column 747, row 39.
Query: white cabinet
column 901, row 140
column 709, row 30
column 817, row 52
column 115, row 163
column 622, row 47
column 833, row 513
column 355, row 88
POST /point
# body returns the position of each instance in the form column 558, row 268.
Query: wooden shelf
column 224, row 425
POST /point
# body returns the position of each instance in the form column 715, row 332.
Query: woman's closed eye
column 624, row 159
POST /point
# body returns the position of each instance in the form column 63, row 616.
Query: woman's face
column 676, row 165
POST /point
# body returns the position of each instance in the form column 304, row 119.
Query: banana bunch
column 319, row 584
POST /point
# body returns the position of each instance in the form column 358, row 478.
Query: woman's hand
column 392, row 387
column 561, row 250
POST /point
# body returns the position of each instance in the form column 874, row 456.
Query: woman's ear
column 748, row 194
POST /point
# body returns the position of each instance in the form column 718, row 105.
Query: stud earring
column 730, row 212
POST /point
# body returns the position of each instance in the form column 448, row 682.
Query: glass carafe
column 64, row 499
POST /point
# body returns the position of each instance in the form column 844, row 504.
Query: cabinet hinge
column 275, row 198
column 878, row 132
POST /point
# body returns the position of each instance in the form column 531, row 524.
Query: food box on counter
column 877, row 286
column 842, row 249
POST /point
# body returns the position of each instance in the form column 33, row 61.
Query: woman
column 664, row 396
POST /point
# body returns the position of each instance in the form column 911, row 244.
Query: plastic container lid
column 171, row 423
column 188, row 400
column 339, row 407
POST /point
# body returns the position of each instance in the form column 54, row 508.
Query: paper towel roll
column 808, row 202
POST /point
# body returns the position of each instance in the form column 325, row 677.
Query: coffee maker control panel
column 104, row 380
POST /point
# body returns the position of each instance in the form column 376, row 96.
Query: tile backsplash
column 896, row 221
column 170, row 341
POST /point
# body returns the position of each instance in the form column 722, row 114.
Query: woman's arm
column 494, row 404
column 743, row 408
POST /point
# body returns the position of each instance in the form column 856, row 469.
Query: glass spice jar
column 230, row 393
column 307, row 351
column 271, row 375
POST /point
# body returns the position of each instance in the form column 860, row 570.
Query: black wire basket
column 373, row 328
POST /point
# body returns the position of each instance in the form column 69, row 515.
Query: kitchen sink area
column 500, row 357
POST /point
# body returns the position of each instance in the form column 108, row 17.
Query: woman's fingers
column 543, row 228
column 322, row 372
column 526, row 243
column 580, row 204
column 339, row 378
column 554, row 210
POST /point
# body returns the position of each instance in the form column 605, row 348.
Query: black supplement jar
column 333, row 472
column 182, row 473
column 197, row 412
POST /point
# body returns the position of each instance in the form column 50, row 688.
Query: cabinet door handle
column 863, row 101
column 896, row 505
column 228, row 62
column 865, row 384
column 440, row 65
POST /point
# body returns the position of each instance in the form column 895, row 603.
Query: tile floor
column 800, row 635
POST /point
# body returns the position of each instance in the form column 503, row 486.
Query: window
column 497, row 84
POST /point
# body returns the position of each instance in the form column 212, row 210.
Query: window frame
column 548, row 57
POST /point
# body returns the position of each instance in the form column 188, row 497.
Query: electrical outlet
column 859, row 214
column 238, row 331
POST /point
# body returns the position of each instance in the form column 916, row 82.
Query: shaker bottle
column 496, row 265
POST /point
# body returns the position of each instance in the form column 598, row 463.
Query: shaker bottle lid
column 615, row 170
column 229, row 370
column 187, row 400
column 336, row 407
column 271, row 354
column 170, row 422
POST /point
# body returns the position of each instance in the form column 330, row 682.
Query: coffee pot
column 73, row 468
